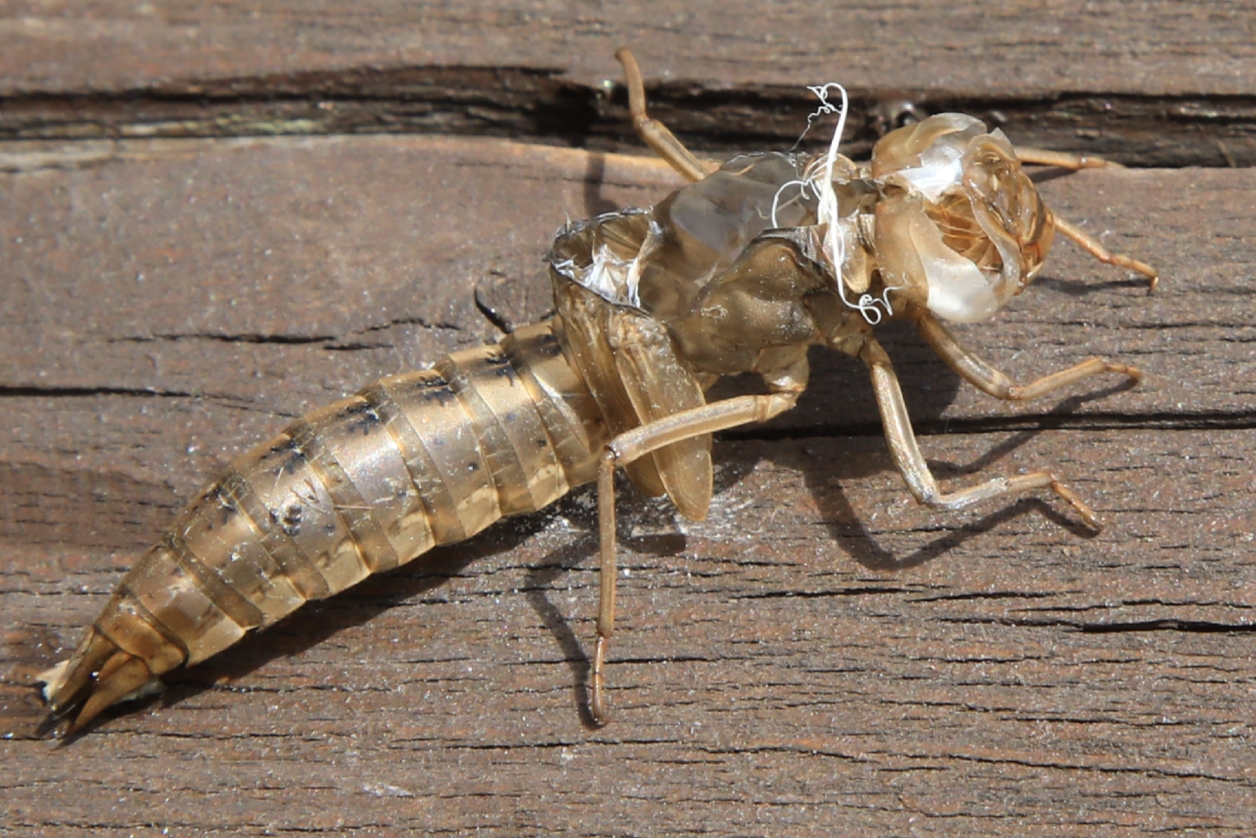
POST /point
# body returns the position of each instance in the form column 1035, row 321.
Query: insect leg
column 652, row 132
column 911, row 463
column 1092, row 246
column 632, row 445
column 1063, row 159
column 989, row 380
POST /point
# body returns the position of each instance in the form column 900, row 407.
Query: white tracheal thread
column 827, row 213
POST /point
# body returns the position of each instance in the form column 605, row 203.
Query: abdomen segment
column 361, row 486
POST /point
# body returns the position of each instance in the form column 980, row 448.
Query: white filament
column 803, row 187
column 834, row 237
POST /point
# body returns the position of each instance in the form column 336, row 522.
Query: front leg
column 992, row 382
column 911, row 463
column 1063, row 159
column 1087, row 242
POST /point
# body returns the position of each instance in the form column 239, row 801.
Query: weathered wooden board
column 1154, row 48
column 1165, row 83
column 770, row 679
column 820, row 654
column 186, row 296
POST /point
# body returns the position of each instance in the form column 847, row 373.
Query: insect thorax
column 731, row 264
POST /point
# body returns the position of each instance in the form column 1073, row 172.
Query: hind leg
column 629, row 447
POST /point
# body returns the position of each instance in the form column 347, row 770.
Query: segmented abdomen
column 358, row 487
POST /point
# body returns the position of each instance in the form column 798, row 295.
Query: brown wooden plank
column 772, row 675
column 820, row 651
column 1154, row 84
column 1155, row 48
column 138, row 286
column 190, row 296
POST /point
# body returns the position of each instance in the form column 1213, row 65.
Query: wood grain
column 1164, row 83
column 821, row 649
column 1154, row 48
column 820, row 656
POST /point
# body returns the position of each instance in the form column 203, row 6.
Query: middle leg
column 911, row 463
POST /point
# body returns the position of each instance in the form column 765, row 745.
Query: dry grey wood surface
column 821, row 656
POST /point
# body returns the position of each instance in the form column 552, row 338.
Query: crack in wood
column 540, row 105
